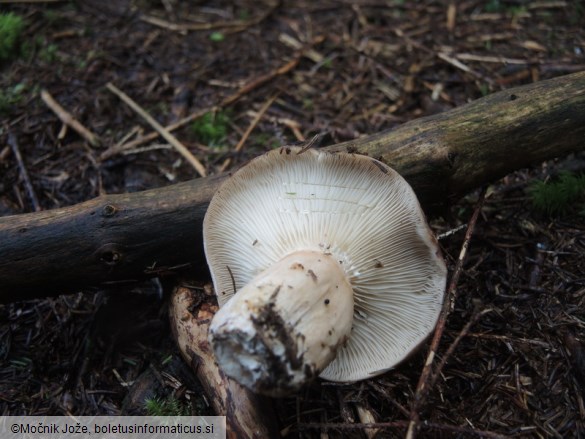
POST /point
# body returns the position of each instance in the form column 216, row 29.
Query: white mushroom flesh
column 351, row 209
column 286, row 325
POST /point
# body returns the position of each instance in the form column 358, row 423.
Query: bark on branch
column 247, row 415
column 118, row 238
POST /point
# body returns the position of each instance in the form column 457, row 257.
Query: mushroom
column 323, row 265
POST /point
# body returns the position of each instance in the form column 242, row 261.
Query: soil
column 516, row 334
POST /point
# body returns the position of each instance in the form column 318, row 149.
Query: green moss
column 555, row 197
column 11, row 26
column 328, row 63
column 211, row 128
column 10, row 97
column 484, row 89
column 495, row 6
column 53, row 18
column 244, row 15
column 216, row 37
column 48, row 53
column 308, row 104
column 169, row 406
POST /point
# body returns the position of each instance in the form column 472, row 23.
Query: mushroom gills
column 286, row 325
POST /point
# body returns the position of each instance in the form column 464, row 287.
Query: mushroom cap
column 358, row 210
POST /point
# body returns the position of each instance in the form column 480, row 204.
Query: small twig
column 458, row 64
column 443, row 56
column 29, row 187
column 160, row 129
column 231, row 26
column 451, row 16
column 547, row 5
column 451, row 232
column 291, row 124
column 152, row 136
column 247, row 88
column 285, row 68
column 227, row 26
column 490, row 59
column 366, row 416
column 249, row 130
column 463, row 333
column 232, row 277
column 293, row 43
column 424, row 381
column 4, row 153
column 68, row 119
column 148, row 148
column 121, row 380
column 313, row 142
column 506, row 339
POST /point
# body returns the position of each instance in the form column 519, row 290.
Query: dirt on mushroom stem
column 285, row 326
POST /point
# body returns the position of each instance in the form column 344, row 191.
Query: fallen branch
column 247, row 415
column 129, row 237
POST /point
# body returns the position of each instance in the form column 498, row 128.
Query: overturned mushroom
column 323, row 265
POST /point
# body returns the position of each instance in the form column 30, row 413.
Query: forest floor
column 345, row 68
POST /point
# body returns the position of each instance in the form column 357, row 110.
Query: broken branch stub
column 247, row 415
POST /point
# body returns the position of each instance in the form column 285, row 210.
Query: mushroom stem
column 285, row 326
